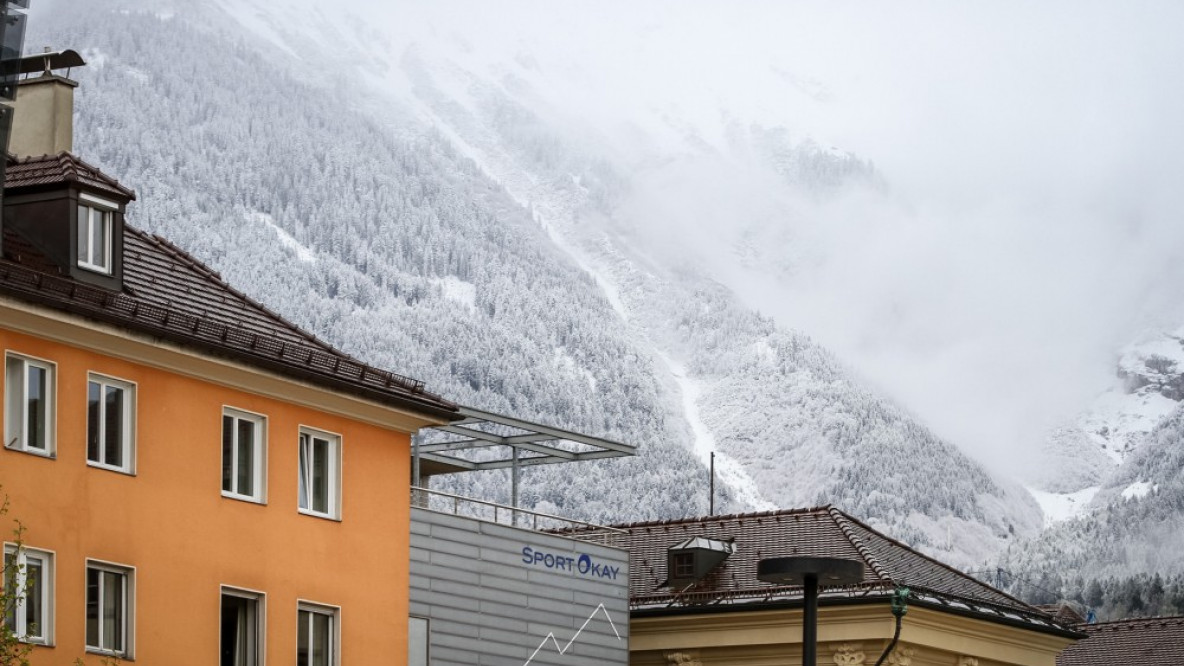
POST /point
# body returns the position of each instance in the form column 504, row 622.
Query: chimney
column 43, row 112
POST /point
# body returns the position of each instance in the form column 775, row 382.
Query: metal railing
column 501, row 514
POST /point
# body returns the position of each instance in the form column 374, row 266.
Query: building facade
column 488, row 592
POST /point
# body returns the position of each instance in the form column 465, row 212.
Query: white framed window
column 320, row 473
column 244, row 455
column 242, row 631
column 317, row 632
column 95, row 233
column 110, row 608
column 28, row 576
column 29, row 415
column 110, row 423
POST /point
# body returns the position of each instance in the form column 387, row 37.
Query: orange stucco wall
column 185, row 540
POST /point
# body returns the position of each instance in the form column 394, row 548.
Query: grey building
column 496, row 585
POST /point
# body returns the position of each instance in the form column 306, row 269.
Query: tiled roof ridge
column 842, row 521
column 772, row 513
column 193, row 262
column 75, row 168
column 66, row 164
column 936, row 561
column 1133, row 623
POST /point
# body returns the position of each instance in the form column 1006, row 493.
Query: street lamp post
column 809, row 572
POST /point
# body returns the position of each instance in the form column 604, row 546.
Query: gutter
column 708, row 609
column 438, row 409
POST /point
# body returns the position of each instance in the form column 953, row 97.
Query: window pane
column 92, row 607
column 248, row 641
column 304, row 444
column 93, row 424
column 10, row 590
column 113, row 430
column 98, row 246
column 14, row 408
column 83, row 234
column 239, row 624
column 302, row 646
column 246, row 457
column 322, row 644
column 34, row 579
column 36, row 396
column 320, row 475
column 112, row 611
column 227, row 453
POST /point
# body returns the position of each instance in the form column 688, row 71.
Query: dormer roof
column 47, row 171
column 703, row 543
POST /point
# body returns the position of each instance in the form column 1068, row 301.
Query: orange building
column 201, row 481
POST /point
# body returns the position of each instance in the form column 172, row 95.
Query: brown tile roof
column 50, row 170
column 170, row 294
column 1157, row 641
column 818, row 532
column 1062, row 612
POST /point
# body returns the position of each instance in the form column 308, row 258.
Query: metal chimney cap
column 46, row 62
column 795, row 570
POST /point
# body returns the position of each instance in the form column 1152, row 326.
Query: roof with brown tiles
column 50, row 170
column 818, row 532
column 1063, row 612
column 1157, row 641
column 170, row 294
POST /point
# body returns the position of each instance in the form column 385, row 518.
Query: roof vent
column 690, row 561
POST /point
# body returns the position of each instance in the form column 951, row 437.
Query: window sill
column 51, row 455
column 94, row 269
column 109, row 654
column 245, row 498
column 322, row 516
column 110, row 468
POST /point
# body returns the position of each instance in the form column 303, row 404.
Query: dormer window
column 689, row 561
column 95, row 237
column 71, row 214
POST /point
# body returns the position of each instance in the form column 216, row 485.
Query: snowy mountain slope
column 449, row 226
column 1147, row 388
column 367, row 240
column 1136, row 525
column 797, row 423
column 1157, row 466
column 1131, row 518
